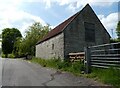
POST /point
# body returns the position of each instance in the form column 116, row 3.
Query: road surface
column 16, row 72
column 0, row 71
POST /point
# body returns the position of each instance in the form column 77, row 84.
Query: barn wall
column 73, row 37
column 74, row 34
column 51, row 48
column 101, row 34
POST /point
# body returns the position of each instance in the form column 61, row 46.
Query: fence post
column 87, row 59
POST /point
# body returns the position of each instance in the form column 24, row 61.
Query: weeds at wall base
column 74, row 68
column 108, row 76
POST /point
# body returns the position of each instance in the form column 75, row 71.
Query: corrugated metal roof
column 58, row 29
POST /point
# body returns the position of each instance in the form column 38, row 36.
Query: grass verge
column 108, row 76
column 74, row 68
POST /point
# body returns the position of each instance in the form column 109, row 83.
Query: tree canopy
column 118, row 30
column 14, row 43
column 9, row 36
column 34, row 33
column 0, row 35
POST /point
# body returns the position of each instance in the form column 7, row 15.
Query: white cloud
column 48, row 3
column 24, row 27
column 10, row 15
column 10, row 12
column 110, row 23
column 75, row 4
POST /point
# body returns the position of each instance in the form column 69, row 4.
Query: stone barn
column 80, row 30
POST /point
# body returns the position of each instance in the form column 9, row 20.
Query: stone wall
column 51, row 48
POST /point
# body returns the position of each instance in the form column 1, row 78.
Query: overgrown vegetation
column 75, row 67
column 109, row 76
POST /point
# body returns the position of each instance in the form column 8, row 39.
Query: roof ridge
column 74, row 16
column 66, row 22
column 58, row 29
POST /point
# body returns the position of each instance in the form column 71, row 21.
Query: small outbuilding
column 80, row 30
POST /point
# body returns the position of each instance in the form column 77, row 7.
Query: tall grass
column 75, row 67
column 108, row 76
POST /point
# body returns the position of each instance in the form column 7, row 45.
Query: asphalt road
column 16, row 72
column 0, row 71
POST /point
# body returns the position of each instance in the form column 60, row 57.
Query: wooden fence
column 102, row 56
column 77, row 56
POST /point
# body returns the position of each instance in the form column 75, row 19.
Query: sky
column 23, row 13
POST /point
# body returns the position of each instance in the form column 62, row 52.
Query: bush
column 11, row 56
column 3, row 55
column 76, row 67
column 63, row 65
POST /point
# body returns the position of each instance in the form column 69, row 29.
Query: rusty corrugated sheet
column 58, row 29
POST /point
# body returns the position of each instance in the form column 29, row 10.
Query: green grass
column 108, row 76
column 74, row 68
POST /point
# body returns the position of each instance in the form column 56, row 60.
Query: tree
column 114, row 40
column 16, row 49
column 118, row 30
column 9, row 36
column 0, row 36
column 34, row 33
